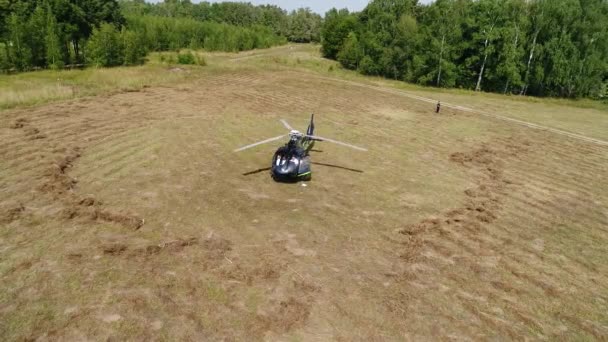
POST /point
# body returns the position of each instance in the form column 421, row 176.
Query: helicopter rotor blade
column 260, row 143
column 336, row 142
column 287, row 125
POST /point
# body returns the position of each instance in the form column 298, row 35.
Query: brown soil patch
column 31, row 133
column 215, row 247
column 58, row 182
column 19, row 123
column 483, row 204
column 11, row 212
column 283, row 316
column 114, row 248
column 61, row 186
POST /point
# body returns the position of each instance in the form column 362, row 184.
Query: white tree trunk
column 485, row 57
column 440, row 60
column 525, row 87
column 483, row 67
column 515, row 48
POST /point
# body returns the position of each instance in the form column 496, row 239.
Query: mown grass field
column 126, row 215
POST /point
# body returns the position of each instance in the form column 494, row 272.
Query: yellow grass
column 39, row 87
column 455, row 226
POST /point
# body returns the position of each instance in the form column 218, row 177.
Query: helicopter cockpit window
column 282, row 159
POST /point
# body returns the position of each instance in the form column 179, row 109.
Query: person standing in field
column 438, row 107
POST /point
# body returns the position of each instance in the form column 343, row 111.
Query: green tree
column 4, row 62
column 335, row 30
column 53, row 56
column 19, row 52
column 304, row 26
column 535, row 13
column 488, row 17
column 36, row 29
column 351, row 52
column 441, row 28
column 133, row 47
column 104, row 47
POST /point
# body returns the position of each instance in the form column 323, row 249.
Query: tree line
column 50, row 33
column 531, row 47
column 301, row 25
column 38, row 34
column 535, row 47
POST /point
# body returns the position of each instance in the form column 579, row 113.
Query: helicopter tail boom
column 311, row 126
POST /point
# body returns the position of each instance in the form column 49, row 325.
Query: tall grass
column 33, row 88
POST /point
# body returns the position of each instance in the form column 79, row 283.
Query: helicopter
column 291, row 162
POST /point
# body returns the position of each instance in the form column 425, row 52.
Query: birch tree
column 489, row 15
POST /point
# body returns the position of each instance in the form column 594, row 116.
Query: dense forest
column 534, row 47
column 528, row 47
column 53, row 33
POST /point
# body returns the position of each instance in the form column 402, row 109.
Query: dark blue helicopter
column 291, row 162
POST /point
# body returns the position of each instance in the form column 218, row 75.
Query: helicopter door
column 304, row 166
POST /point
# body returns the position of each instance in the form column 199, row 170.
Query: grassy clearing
column 584, row 116
column 39, row 87
column 35, row 88
column 453, row 226
column 308, row 56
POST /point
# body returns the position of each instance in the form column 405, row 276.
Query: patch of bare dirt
column 284, row 315
column 289, row 243
column 215, row 247
column 288, row 301
column 19, row 123
column 287, row 309
column 11, row 212
column 61, row 186
column 114, row 248
column 58, row 182
column 23, row 266
column 265, row 271
column 31, row 133
column 483, row 202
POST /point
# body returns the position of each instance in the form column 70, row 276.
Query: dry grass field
column 126, row 215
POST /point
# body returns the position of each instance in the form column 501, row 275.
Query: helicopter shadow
column 338, row 167
column 255, row 172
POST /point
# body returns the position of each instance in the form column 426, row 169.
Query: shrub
column 367, row 66
column 134, row 47
column 200, row 60
column 186, row 58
